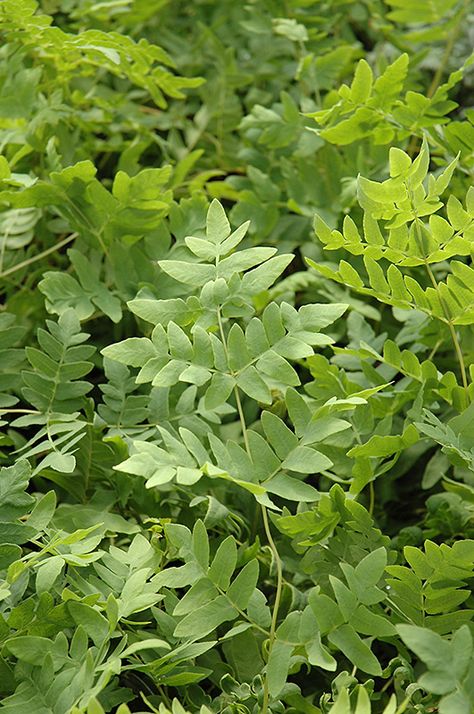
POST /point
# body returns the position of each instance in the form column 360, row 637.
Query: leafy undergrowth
column 236, row 357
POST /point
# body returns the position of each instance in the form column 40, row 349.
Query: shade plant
column 236, row 368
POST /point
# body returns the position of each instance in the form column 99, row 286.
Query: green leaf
column 223, row 564
column 92, row 621
column 273, row 365
column 383, row 446
column 306, row 460
column 14, row 502
column 200, row 544
column 48, row 573
column 400, row 162
column 200, row 593
column 217, row 225
column 219, row 390
column 291, row 488
column 205, row 619
column 362, row 83
column 429, row 647
column 278, row 666
column 371, row 568
column 355, row 649
column 30, row 649
column 243, row 586
column 254, row 386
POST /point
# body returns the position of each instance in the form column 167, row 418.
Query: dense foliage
column 236, row 357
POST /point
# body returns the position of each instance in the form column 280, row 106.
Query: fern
column 261, row 499
column 401, row 202
column 143, row 63
column 55, row 389
column 122, row 409
column 11, row 358
column 432, row 590
column 377, row 109
column 255, row 362
column 62, row 291
column 17, row 228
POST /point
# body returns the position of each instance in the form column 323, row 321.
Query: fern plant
column 232, row 484
column 226, row 362
column 407, row 240
column 55, row 388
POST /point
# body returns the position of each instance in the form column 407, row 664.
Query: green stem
column 39, row 256
column 18, row 411
column 266, row 526
column 438, row 75
column 454, row 337
column 242, row 420
column 372, row 498
column 276, row 604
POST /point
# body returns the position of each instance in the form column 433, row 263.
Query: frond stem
column 452, row 330
column 39, row 256
column 449, row 322
column 266, row 526
column 276, row 604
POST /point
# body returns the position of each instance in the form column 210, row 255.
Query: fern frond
column 269, row 468
column 17, row 228
column 407, row 241
column 54, row 386
column 144, row 64
column 379, row 110
column 85, row 295
column 11, row 358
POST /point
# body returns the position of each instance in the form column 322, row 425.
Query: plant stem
column 436, row 81
column 276, row 604
column 18, row 411
column 266, row 526
column 438, row 75
column 454, row 337
column 242, row 420
column 372, row 498
column 449, row 322
column 39, row 256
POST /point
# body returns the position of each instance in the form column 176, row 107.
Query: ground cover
column 236, row 357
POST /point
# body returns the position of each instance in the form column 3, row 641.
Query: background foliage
column 236, row 357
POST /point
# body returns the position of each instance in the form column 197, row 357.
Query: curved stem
column 242, row 420
column 449, row 321
column 276, row 604
column 266, row 526
column 34, row 258
column 371, row 498
column 454, row 337
column 438, row 75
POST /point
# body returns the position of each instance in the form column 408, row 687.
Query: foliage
column 237, row 457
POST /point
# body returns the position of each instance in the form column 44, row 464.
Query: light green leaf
column 223, row 564
column 306, row 460
column 348, row 641
column 135, row 351
column 242, row 587
column 278, row 666
column 291, row 488
column 205, row 619
column 92, row 621
column 217, row 225
column 362, row 83
column 200, row 544
column 48, row 573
